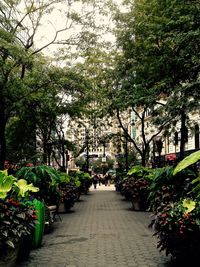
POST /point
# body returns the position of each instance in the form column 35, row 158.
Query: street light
column 126, row 152
column 87, row 149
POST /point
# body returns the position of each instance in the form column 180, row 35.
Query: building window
column 196, row 136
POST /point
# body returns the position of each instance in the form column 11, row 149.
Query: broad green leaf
column 6, row 183
column 191, row 159
column 24, row 187
column 189, row 205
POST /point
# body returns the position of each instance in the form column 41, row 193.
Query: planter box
column 139, row 205
column 136, row 204
column 25, row 247
column 10, row 259
column 64, row 207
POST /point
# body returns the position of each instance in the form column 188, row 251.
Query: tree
column 21, row 140
column 20, row 21
column 17, row 39
column 155, row 59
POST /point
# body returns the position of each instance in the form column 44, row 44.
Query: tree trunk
column 143, row 155
column 63, row 155
column 183, row 134
column 45, row 151
column 143, row 159
column 2, row 134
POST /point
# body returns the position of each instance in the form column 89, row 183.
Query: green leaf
column 24, row 187
column 6, row 183
column 196, row 180
column 10, row 244
column 5, row 233
column 191, row 159
column 21, row 215
column 189, row 205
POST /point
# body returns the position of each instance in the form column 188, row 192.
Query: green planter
column 40, row 223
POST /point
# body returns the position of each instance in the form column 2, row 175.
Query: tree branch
column 127, row 134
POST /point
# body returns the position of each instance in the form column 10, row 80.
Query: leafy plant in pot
column 86, row 181
column 17, row 216
column 135, row 187
column 68, row 192
column 44, row 177
column 47, row 179
column 176, row 221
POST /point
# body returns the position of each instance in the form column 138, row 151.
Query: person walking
column 95, row 180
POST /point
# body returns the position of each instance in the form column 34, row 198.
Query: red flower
column 34, row 216
column 164, row 215
column 16, row 204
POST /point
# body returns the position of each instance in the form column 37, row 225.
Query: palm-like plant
column 44, row 177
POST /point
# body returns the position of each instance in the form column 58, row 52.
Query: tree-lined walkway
column 102, row 231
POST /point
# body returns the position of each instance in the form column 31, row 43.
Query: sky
column 56, row 20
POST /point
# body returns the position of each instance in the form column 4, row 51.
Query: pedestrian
column 108, row 179
column 99, row 178
column 95, row 180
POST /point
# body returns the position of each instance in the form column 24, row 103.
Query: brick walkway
column 101, row 231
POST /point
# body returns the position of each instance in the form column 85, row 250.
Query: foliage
column 68, row 194
column 189, row 160
column 178, row 228
column 20, row 138
column 157, row 60
column 10, row 185
column 6, row 183
column 17, row 214
column 44, row 177
column 165, row 187
column 85, row 180
column 99, row 167
column 23, row 188
column 23, row 88
column 138, row 171
column 17, row 220
column 135, row 185
column 176, row 207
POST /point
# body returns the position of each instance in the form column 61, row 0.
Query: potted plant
column 44, row 177
column 47, row 179
column 68, row 196
column 135, row 187
column 85, row 181
column 178, row 228
column 176, row 218
column 69, row 192
column 17, row 217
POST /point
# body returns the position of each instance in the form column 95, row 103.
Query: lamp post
column 87, row 150
column 126, row 152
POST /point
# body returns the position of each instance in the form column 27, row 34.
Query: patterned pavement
column 100, row 231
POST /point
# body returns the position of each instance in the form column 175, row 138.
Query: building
column 170, row 144
column 99, row 139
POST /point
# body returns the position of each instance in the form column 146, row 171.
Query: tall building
column 97, row 139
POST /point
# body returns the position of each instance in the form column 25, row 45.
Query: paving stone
column 102, row 231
